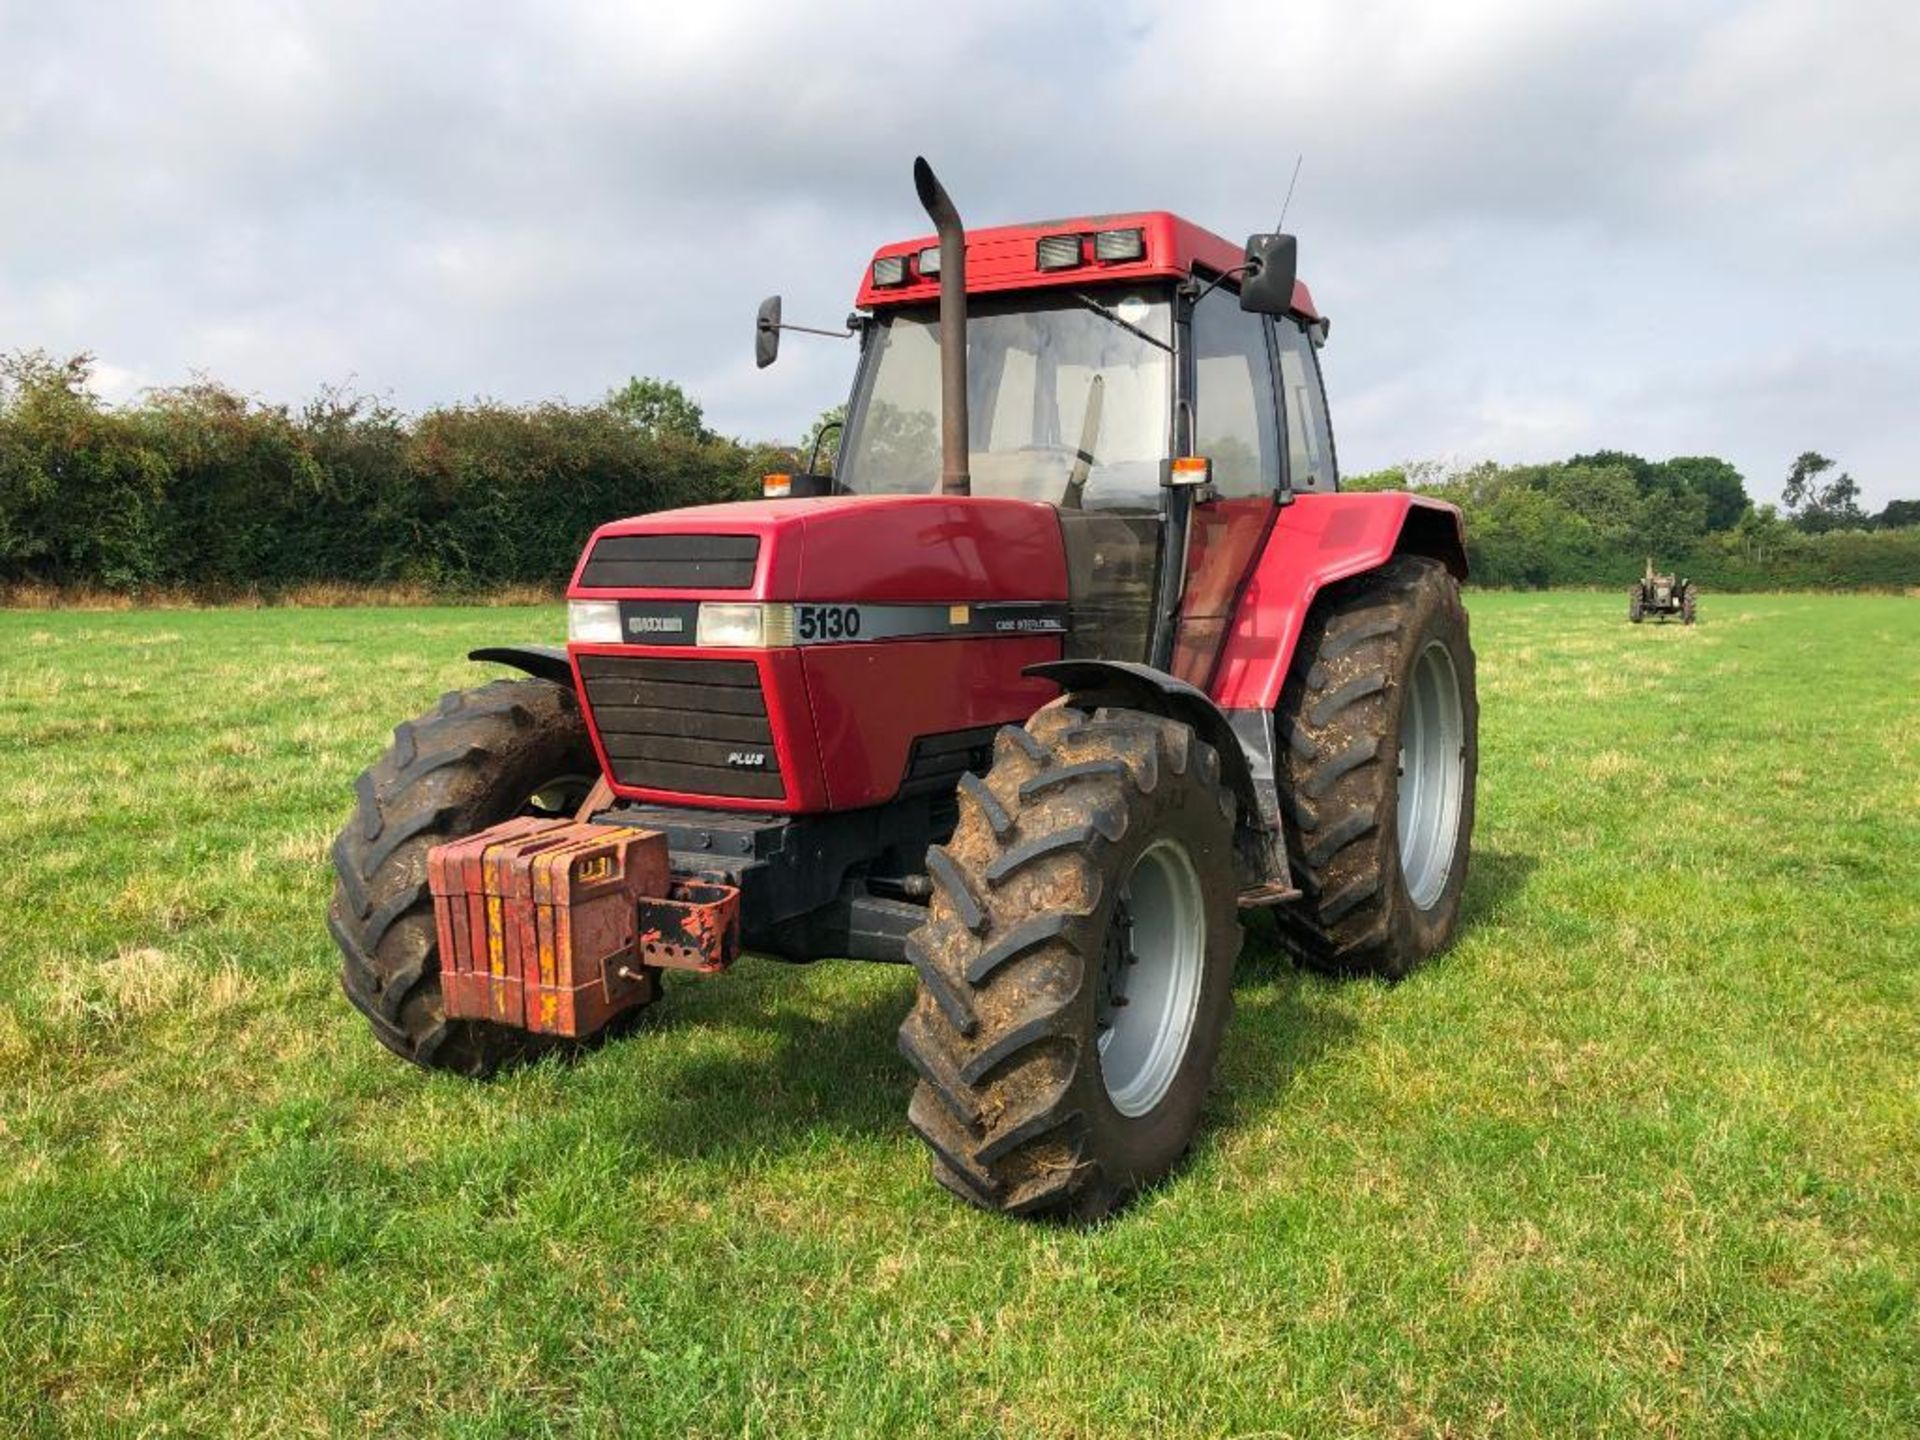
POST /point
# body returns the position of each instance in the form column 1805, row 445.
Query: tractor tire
column 481, row 756
column 1379, row 724
column 1076, row 966
column 1686, row 606
column 1636, row 605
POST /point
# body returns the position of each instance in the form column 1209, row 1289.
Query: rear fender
column 1317, row 540
column 543, row 662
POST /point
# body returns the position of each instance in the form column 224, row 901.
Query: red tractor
column 1078, row 654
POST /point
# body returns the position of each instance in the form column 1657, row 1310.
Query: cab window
column 1309, row 438
column 1234, row 417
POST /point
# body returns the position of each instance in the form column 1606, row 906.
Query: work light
column 930, row 262
column 890, row 270
column 1058, row 252
column 1115, row 245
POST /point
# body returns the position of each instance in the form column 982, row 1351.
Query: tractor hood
column 859, row 646
column 875, row 548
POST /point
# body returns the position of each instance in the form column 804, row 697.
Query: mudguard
column 543, row 662
column 1317, row 540
column 1243, row 740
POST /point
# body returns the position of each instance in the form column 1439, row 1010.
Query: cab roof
column 1006, row 257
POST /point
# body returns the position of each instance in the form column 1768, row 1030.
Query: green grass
column 1642, row 1154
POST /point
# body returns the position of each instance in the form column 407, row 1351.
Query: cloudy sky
column 1539, row 227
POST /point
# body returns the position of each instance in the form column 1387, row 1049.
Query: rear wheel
column 1075, row 969
column 1686, row 605
column 1381, row 728
column 512, row 747
column 1636, row 605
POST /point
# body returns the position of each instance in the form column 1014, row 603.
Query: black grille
column 690, row 562
column 695, row 726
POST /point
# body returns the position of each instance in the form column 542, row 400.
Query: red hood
column 874, row 547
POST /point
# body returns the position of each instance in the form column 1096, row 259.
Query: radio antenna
column 1286, row 203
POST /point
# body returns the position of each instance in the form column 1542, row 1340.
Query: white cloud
column 1540, row 228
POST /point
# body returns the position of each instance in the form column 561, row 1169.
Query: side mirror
column 1272, row 263
column 766, row 332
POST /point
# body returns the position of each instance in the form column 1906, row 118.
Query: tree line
column 197, row 487
column 1595, row 519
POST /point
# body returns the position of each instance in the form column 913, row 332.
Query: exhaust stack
column 954, row 479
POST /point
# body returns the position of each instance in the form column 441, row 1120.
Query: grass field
column 1641, row 1155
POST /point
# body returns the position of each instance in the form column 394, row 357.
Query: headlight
column 744, row 626
column 593, row 622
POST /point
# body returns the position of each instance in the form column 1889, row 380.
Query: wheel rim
column 559, row 799
column 1149, row 988
column 1432, row 766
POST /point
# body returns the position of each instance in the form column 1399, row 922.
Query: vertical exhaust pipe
column 954, row 479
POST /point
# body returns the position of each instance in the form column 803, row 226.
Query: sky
column 1539, row 228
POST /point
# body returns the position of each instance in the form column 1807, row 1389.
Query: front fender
column 1141, row 687
column 543, row 662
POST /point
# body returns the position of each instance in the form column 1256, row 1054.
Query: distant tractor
column 1661, row 596
column 1078, row 655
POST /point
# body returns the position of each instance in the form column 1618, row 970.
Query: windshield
column 1067, row 398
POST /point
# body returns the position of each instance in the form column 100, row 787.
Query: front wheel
column 1381, row 722
column 1076, row 965
column 512, row 747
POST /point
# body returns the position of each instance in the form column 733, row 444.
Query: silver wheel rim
column 1149, row 984
column 1432, row 764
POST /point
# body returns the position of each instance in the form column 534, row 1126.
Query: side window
column 1233, row 407
column 1309, row 440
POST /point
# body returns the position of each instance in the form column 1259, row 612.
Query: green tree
column 1645, row 473
column 659, row 407
column 1803, row 481
column 1898, row 515
column 1708, row 475
column 1817, row 504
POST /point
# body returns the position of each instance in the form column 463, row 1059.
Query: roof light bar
column 890, row 270
column 1058, row 252
column 1110, row 246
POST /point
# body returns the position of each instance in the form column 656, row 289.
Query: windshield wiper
column 1114, row 315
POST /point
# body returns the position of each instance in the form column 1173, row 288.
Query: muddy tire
column 481, row 756
column 1379, row 728
column 1636, row 605
column 1076, row 966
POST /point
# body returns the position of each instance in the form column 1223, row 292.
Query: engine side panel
column 871, row 702
column 1317, row 540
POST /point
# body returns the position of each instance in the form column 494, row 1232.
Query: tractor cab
column 1114, row 372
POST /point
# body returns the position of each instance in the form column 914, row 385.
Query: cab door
column 1235, row 423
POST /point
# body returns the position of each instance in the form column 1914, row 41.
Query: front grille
column 659, row 562
column 695, row 726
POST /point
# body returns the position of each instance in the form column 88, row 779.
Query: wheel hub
column 1147, row 993
column 1432, row 775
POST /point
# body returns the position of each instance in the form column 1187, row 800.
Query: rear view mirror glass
column 1272, row 262
column 766, row 332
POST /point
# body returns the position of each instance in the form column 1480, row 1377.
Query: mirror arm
column 846, row 334
column 1196, row 295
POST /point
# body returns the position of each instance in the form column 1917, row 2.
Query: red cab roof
column 1006, row 258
